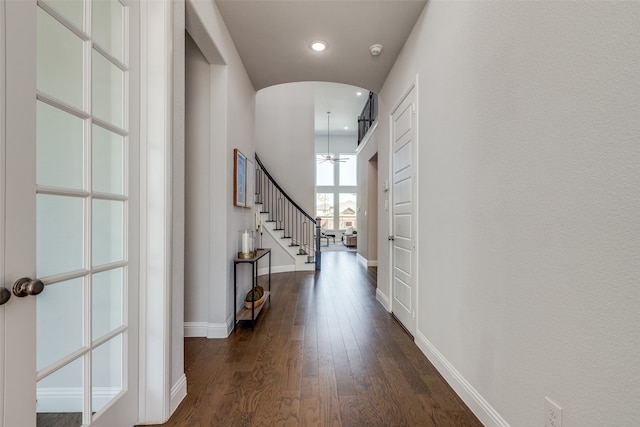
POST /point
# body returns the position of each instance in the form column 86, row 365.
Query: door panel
column 19, row 209
column 402, row 229
column 5, row 293
column 402, row 195
column 402, row 156
column 403, row 294
column 402, row 262
column 403, row 160
column 73, row 213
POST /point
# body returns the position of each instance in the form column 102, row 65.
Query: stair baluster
column 289, row 218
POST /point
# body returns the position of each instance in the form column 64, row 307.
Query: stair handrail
column 284, row 193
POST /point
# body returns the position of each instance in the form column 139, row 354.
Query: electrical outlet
column 552, row 414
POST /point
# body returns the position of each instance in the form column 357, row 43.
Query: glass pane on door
column 60, row 61
column 73, row 10
column 60, row 396
column 60, row 316
column 107, row 380
column 60, row 224
column 81, row 209
column 107, row 87
column 108, row 25
column 108, row 231
column 108, row 161
column 60, row 147
column 107, row 292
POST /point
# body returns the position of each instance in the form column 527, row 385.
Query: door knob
column 25, row 286
column 4, row 295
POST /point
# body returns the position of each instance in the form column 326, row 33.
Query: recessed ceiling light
column 359, row 93
column 346, row 128
column 318, row 45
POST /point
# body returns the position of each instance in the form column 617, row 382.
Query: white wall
column 368, row 190
column 528, row 205
column 284, row 138
column 162, row 379
column 227, row 123
column 284, row 141
column 341, row 144
column 178, row 386
column 198, row 227
column 370, row 212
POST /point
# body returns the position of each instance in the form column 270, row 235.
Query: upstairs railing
column 288, row 217
column 368, row 116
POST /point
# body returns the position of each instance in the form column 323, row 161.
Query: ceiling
column 273, row 38
column 345, row 106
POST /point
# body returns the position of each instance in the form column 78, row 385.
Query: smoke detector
column 375, row 49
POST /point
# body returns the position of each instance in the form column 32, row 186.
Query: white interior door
column 403, row 240
column 69, row 354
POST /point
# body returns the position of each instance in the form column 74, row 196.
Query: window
column 324, row 210
column 347, row 210
column 324, row 174
column 348, row 170
column 336, row 202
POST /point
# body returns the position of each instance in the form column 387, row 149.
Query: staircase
column 288, row 224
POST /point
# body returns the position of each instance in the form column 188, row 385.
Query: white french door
column 403, row 240
column 69, row 213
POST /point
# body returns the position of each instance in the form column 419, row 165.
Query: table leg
column 253, row 288
column 235, row 295
column 269, row 276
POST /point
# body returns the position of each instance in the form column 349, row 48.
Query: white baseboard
column 362, row 260
column 70, row 399
column 366, row 262
column 219, row 330
column 208, row 330
column 474, row 400
column 306, row 267
column 286, row 268
column 383, row 299
column 178, row 392
column 276, row 269
column 195, row 329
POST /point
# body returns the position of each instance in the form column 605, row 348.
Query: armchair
column 349, row 237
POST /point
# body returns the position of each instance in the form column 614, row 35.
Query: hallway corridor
column 323, row 352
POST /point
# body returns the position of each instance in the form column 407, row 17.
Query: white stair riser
column 300, row 261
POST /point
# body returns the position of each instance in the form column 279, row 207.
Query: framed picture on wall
column 239, row 178
column 251, row 183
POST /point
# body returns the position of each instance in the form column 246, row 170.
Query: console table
column 245, row 313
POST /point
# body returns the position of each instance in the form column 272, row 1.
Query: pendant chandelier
column 329, row 157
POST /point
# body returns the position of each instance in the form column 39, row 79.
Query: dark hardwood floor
column 323, row 353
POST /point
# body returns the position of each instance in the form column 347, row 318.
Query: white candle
column 245, row 242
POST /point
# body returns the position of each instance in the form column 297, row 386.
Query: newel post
column 318, row 259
